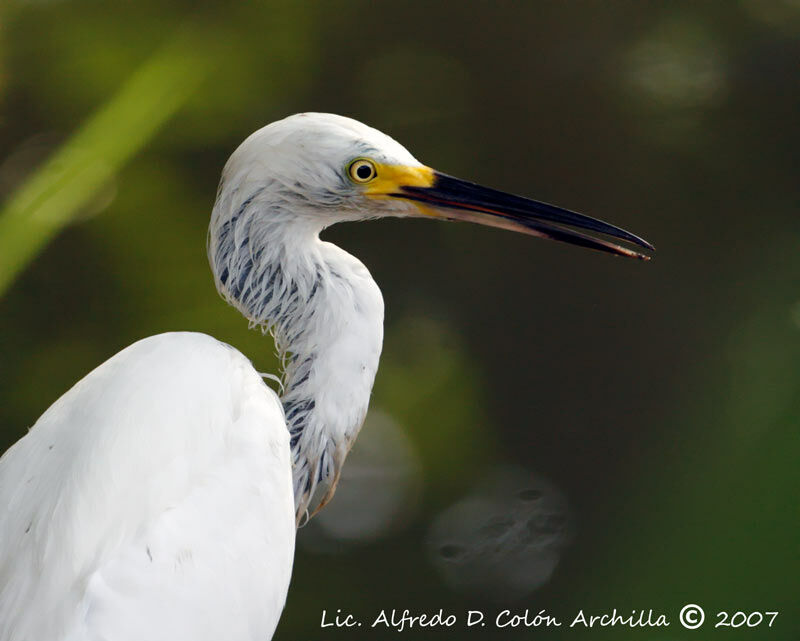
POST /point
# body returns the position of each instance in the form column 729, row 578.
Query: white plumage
column 157, row 499
column 152, row 501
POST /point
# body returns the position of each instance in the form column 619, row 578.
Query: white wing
column 153, row 501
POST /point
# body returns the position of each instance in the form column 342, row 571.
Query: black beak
column 456, row 199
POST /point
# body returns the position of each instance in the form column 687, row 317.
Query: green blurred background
column 660, row 401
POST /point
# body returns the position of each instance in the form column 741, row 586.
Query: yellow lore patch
column 391, row 178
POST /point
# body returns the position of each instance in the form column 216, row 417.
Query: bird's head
column 312, row 170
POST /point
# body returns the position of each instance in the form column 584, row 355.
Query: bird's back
column 151, row 501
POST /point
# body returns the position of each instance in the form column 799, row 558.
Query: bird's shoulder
column 164, row 388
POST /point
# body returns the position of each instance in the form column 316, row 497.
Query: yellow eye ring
column 362, row 170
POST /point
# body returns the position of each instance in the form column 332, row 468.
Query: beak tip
column 628, row 253
column 637, row 240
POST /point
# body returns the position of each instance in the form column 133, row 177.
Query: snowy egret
column 158, row 498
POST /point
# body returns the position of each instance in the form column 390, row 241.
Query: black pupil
column 364, row 171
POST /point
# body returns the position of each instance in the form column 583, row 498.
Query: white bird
column 158, row 498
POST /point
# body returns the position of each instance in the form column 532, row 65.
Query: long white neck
column 326, row 315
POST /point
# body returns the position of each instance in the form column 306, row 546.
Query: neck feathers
column 326, row 315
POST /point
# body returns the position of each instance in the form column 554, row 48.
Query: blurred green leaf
column 56, row 193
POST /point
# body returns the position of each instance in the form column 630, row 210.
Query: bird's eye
column 362, row 170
